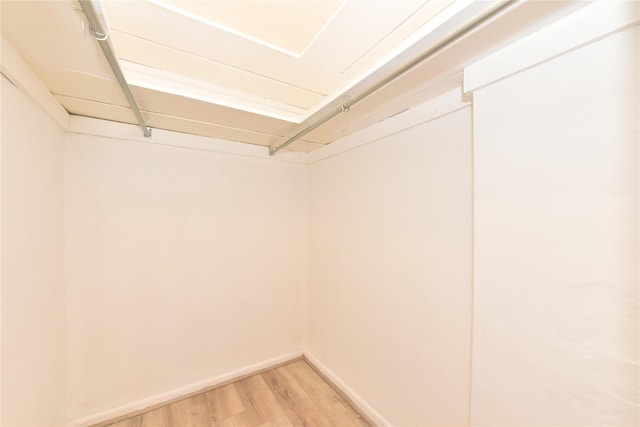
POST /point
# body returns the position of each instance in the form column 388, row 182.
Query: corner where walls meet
column 425, row 254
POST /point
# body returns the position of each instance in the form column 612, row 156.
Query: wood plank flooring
column 291, row 395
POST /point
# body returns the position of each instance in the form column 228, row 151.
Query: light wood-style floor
column 290, row 395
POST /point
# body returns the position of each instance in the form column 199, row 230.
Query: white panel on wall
column 182, row 265
column 556, row 241
column 390, row 270
column 33, row 304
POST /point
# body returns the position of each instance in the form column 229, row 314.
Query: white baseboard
column 358, row 401
column 167, row 396
column 181, row 391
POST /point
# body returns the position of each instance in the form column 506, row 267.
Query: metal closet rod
column 100, row 34
column 344, row 108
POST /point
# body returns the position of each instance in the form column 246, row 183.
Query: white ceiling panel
column 52, row 34
column 303, row 146
column 154, row 55
column 178, row 106
column 287, row 26
column 254, row 76
column 163, row 121
column 83, row 85
column 99, row 110
column 368, row 23
column 180, row 124
column 257, row 71
column 217, row 45
column 401, row 34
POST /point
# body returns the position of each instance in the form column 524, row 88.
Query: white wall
column 556, row 241
column 182, row 265
column 33, row 329
column 390, row 270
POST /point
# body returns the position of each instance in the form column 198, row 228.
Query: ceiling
column 254, row 71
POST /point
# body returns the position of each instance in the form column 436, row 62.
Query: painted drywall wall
column 33, row 320
column 556, row 241
column 569, row 346
column 390, row 270
column 182, row 265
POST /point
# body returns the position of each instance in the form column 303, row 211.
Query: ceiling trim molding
column 105, row 128
column 15, row 69
column 431, row 110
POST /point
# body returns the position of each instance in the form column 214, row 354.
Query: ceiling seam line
column 167, row 144
column 224, row 64
column 382, row 39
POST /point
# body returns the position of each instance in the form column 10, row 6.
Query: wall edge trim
column 20, row 74
column 585, row 26
column 167, row 397
column 354, row 398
